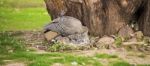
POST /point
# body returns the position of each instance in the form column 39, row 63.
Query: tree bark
column 102, row 17
column 144, row 18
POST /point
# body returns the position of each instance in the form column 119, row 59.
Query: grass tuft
column 106, row 56
column 118, row 41
column 66, row 59
column 121, row 64
column 58, row 46
column 9, row 44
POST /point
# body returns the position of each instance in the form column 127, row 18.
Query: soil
column 34, row 39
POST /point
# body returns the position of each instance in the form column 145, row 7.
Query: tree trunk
column 144, row 18
column 102, row 17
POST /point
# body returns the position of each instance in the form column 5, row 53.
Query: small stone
column 50, row 35
column 126, row 32
column 139, row 35
column 105, row 43
column 106, row 40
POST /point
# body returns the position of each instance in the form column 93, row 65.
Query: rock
column 105, row 42
column 139, row 35
column 126, row 32
column 50, row 35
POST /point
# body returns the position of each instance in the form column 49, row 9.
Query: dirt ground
column 36, row 40
column 132, row 57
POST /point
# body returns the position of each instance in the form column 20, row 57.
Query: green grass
column 33, row 59
column 22, row 15
column 58, row 46
column 105, row 56
column 121, row 64
column 9, row 44
column 23, row 19
column 21, row 3
column 118, row 41
column 48, row 59
column 114, row 60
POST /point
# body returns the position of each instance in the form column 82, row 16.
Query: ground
column 35, row 54
column 22, row 42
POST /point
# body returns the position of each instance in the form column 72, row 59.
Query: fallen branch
column 133, row 43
